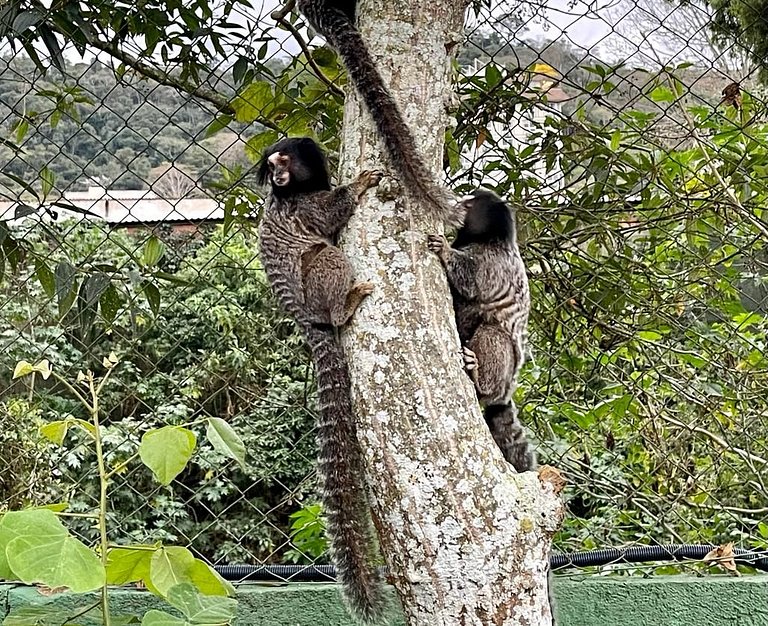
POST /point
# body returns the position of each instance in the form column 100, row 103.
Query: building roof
column 117, row 206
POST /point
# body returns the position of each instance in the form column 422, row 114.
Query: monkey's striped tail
column 509, row 435
column 342, row 472
column 341, row 33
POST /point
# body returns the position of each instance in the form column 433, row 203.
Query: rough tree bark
column 466, row 539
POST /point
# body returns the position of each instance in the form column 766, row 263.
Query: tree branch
column 222, row 104
column 279, row 17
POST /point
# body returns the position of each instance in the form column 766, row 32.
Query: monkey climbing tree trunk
column 466, row 539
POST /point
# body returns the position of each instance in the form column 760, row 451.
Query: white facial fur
column 281, row 175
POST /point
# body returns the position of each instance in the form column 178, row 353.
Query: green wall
column 657, row 601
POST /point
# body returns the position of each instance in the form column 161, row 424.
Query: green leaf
column 66, row 287
column 615, row 140
column 22, row 128
column 26, row 19
column 23, row 368
column 56, row 507
column 662, row 94
column 110, row 302
column 46, row 278
column 174, row 565
column 39, row 549
column 220, row 123
column 47, row 180
column 170, row 566
column 152, row 293
column 253, row 102
column 492, row 75
column 166, row 451
column 23, row 183
column 161, row 618
column 153, row 251
column 201, row 609
column 86, row 426
column 55, row 432
column 239, row 69
column 256, row 145
column 208, row 581
column 225, row 440
column 94, row 286
column 129, row 564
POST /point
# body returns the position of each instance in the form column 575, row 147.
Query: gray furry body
column 312, row 280
column 491, row 302
column 335, row 20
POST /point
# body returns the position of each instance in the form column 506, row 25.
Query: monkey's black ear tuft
column 262, row 176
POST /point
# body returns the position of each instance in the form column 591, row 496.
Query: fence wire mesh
column 631, row 135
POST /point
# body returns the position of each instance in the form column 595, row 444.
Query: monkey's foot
column 437, row 243
column 356, row 295
column 470, row 359
column 364, row 289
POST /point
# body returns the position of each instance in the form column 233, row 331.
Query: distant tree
column 654, row 32
column 743, row 23
column 171, row 180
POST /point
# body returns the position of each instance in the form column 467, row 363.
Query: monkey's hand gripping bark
column 439, row 245
column 367, row 179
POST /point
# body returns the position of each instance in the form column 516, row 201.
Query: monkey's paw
column 365, row 289
column 437, row 243
column 470, row 359
column 369, row 178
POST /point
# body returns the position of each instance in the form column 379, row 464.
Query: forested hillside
column 114, row 130
column 97, row 124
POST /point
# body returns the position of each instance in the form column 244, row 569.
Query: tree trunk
column 465, row 538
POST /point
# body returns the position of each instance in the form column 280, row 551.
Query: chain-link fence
column 632, row 139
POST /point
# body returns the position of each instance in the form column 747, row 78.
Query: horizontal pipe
column 558, row 561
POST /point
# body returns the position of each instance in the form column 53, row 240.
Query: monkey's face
column 279, row 165
column 294, row 166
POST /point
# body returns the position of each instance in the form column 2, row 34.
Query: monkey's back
column 503, row 296
column 283, row 239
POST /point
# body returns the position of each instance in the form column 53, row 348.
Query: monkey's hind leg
column 328, row 290
column 509, row 435
column 488, row 359
column 354, row 297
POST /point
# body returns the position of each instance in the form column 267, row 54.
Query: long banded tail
column 341, row 33
column 342, row 469
column 509, row 435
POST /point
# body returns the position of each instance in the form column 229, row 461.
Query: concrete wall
column 657, row 601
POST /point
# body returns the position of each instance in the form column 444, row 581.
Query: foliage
column 641, row 211
column 36, row 547
column 61, row 129
column 307, row 535
column 649, row 286
column 743, row 24
column 217, row 352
